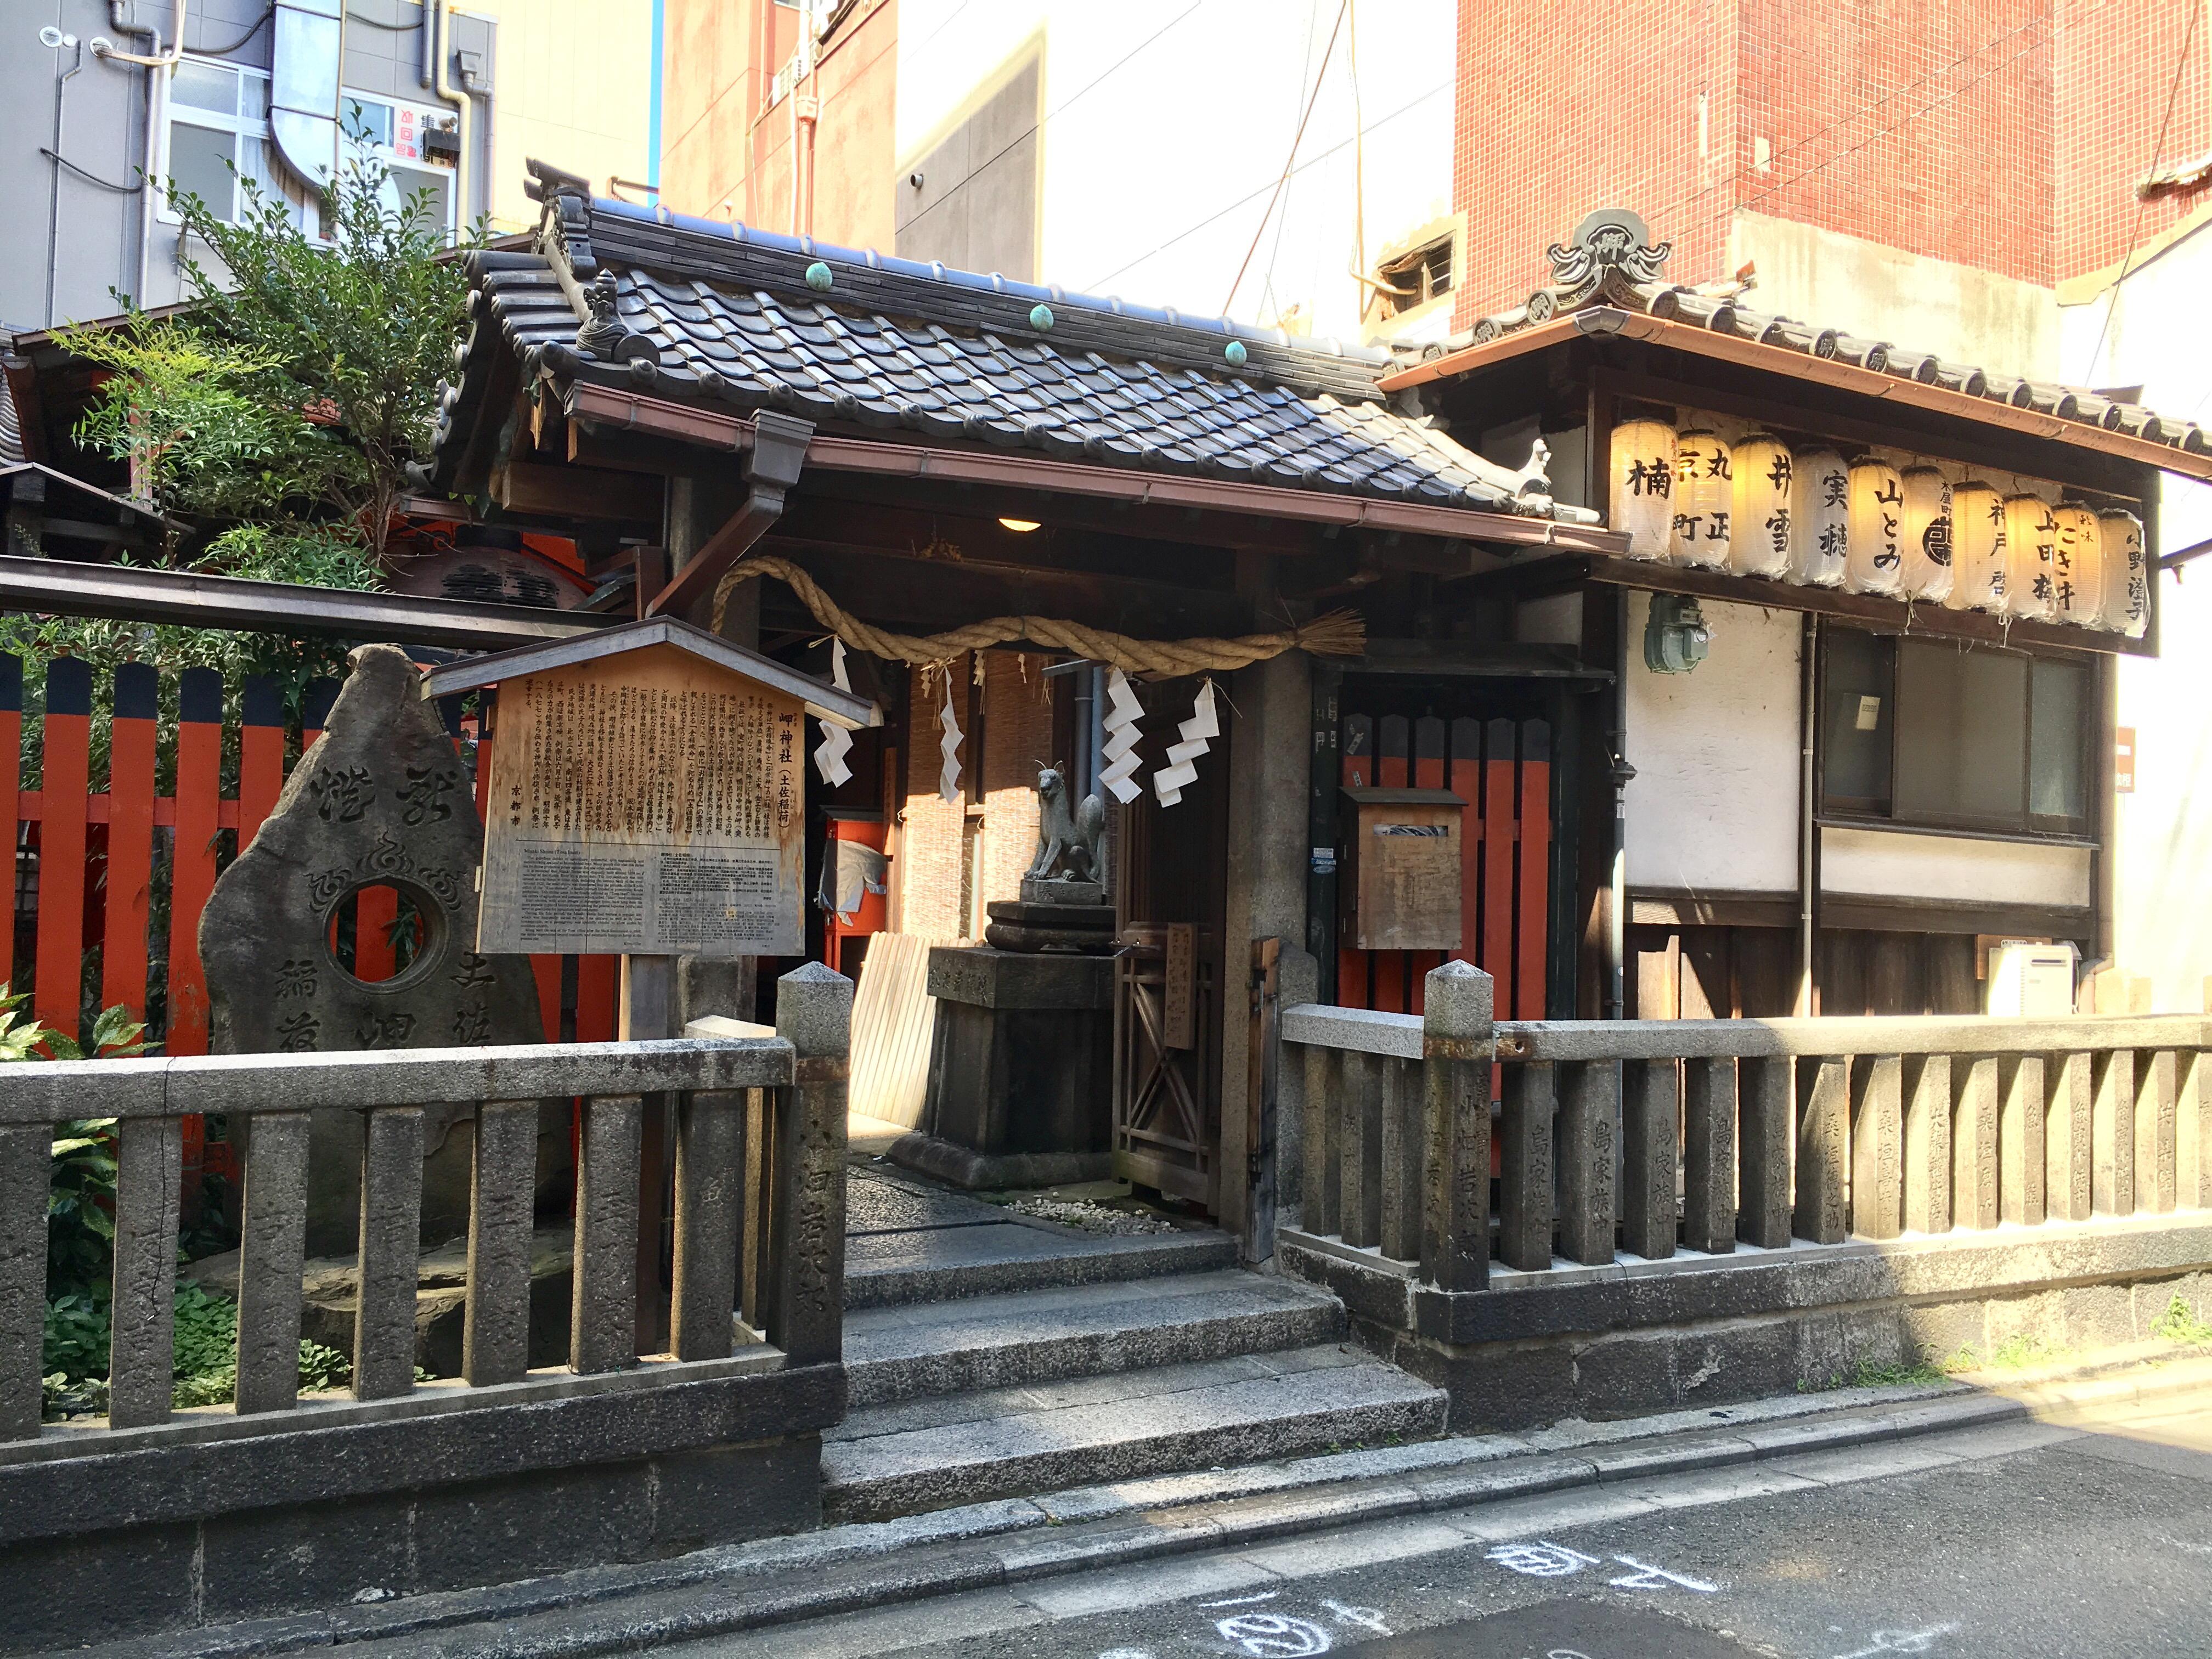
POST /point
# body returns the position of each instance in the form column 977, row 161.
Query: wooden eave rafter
column 600, row 406
column 1607, row 320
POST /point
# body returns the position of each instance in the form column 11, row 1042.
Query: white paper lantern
column 1877, row 555
column 1977, row 548
column 1643, row 486
column 1927, row 546
column 1759, row 540
column 1821, row 511
column 2126, row 604
column 2031, row 547
column 1703, row 498
column 2077, row 591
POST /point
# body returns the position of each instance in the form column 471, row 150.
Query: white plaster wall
column 1166, row 126
column 2163, row 913
column 1713, row 806
column 1899, row 865
column 1887, row 294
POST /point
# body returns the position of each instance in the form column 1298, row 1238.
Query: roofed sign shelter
column 648, row 794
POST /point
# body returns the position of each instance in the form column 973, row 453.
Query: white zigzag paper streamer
column 1123, row 712
column 1198, row 733
column 948, row 775
column 836, row 742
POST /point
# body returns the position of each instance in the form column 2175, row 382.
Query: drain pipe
column 461, row 99
column 159, row 66
column 1808, row 832
column 1616, row 931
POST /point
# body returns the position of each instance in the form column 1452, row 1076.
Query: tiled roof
column 1613, row 262
column 727, row 316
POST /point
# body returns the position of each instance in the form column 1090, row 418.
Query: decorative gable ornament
column 1611, row 253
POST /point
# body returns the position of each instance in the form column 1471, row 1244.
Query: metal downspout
column 1808, row 832
column 458, row 97
column 1616, row 929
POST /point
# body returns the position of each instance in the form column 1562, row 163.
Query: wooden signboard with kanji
column 1402, row 889
column 648, row 795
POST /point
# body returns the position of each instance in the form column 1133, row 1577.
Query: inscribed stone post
column 381, row 800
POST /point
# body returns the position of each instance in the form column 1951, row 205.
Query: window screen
column 1855, row 726
column 2057, row 763
column 200, row 160
column 1962, row 734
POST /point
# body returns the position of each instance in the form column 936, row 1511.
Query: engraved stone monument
column 380, row 806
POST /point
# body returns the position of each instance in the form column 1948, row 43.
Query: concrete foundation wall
column 1623, row 1341
column 195, row 1523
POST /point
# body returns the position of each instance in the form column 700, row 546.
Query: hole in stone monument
column 382, row 930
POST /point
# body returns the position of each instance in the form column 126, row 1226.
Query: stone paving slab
column 881, row 1204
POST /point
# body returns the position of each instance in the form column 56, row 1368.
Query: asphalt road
column 2013, row 1542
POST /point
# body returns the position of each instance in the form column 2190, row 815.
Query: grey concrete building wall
column 977, row 205
column 80, row 230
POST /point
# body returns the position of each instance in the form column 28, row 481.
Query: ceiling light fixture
column 1020, row 526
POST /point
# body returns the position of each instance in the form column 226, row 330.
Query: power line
column 1290, row 161
column 1313, row 160
column 2158, row 151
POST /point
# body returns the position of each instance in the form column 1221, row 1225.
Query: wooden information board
column 646, row 804
column 1402, row 888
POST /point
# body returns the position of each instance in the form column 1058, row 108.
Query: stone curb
column 849, row 1569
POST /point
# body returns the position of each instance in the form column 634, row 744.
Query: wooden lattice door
column 1170, row 895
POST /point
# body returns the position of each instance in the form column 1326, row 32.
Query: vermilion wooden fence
column 1502, row 770
column 96, row 857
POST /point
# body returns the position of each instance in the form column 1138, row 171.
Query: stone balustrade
column 758, row 1127
column 1621, row 1140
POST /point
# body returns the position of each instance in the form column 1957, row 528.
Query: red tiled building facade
column 2003, row 135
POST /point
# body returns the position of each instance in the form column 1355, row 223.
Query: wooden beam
column 1878, row 611
column 581, row 492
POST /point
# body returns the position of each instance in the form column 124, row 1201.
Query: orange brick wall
column 718, row 161
column 2005, row 134
column 1017, row 730
column 2115, row 64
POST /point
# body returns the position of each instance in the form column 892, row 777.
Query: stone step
column 1041, row 1336
column 911, row 1456
column 891, row 1269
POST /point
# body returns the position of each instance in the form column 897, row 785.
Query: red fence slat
column 123, row 961
column 199, row 786
column 260, row 755
column 11, row 778
column 1497, row 958
column 1534, row 848
column 65, row 781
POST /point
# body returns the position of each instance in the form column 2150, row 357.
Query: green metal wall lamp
column 1676, row 637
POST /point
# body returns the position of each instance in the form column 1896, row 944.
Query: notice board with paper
column 640, row 805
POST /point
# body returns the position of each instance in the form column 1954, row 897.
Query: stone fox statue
column 1067, row 836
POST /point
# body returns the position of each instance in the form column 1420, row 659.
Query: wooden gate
column 1502, row 769
column 1170, row 892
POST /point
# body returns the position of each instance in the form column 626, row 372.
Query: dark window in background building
column 1415, row 278
column 1932, row 734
